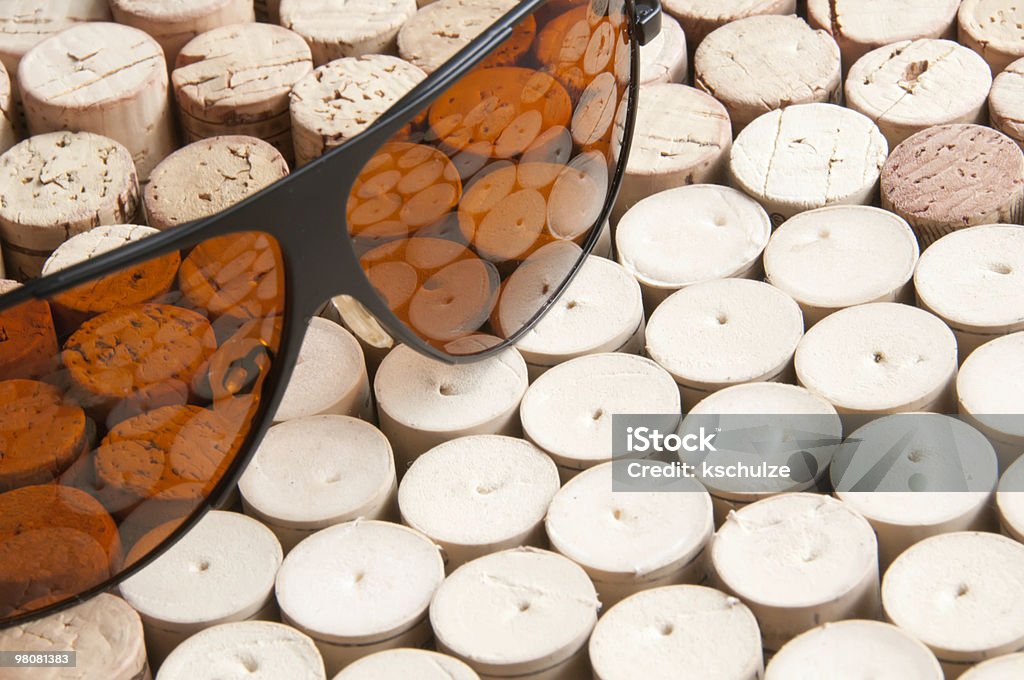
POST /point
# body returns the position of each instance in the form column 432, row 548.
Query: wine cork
column 842, row 256
column 440, row 29
column 30, row 350
column 989, row 27
column 104, row 632
column 357, row 320
column 701, row 17
column 422, row 402
column 336, row 29
column 1005, row 105
column 882, row 357
column 522, row 613
column 1010, row 501
column 8, row 114
column 960, row 594
column 58, row 185
column 206, row 177
column 360, row 588
column 398, row 664
column 683, row 236
column 339, row 100
column 1003, row 668
column 798, row 560
column 848, row 650
column 103, row 78
column 989, row 392
column 808, row 156
column 762, row 63
column 719, row 333
column 347, row 472
column 665, row 59
column 682, row 136
column 478, row 495
column 677, row 631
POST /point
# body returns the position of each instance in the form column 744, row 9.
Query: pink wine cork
column 57, row 185
column 852, row 650
column 1006, row 102
column 665, row 59
column 682, row 136
column 808, row 156
column 478, row 495
column 335, row 29
column 960, row 594
column 522, row 613
column 687, row 235
column 798, row 560
column 882, row 357
column 700, row 17
column 329, row 377
column 989, row 390
column 360, row 588
column 222, row 570
column 440, row 29
column 104, row 632
column 253, row 650
column 206, row 177
column 719, row 333
column 842, row 256
column 991, row 28
column 347, row 473
column 677, row 631
column 631, row 540
column 1010, row 501
column 568, row 411
column 8, row 114
column 399, row 664
column 422, row 402
column 103, row 78
column 1003, row 668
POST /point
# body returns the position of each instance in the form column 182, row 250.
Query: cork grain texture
column 442, row 28
column 347, row 28
column 25, row 23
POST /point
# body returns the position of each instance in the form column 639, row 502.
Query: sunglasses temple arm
column 648, row 19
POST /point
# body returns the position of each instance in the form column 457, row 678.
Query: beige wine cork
column 340, row 99
column 104, row 632
column 103, row 78
column 665, row 59
column 478, row 495
column 677, row 631
column 989, row 390
column 440, row 29
column 762, row 63
column 57, row 185
column 522, row 613
column 682, row 136
column 798, row 560
column 700, row 17
column 206, row 177
column 992, row 28
column 960, row 594
column 841, row 256
column 360, row 588
column 347, row 473
column 347, row 28
column 222, row 570
column 568, row 411
column 245, row 650
column 853, row 650
column 1006, row 102
column 724, row 332
column 1006, row 667
column 399, row 664
column 8, row 114
column 808, row 156
column 686, row 235
column 357, row 320
column 1010, row 501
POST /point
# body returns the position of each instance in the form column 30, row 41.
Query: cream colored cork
column 347, row 28
column 439, row 30
column 8, row 115
column 1009, row 667
column 700, row 17
column 1006, row 102
column 1010, row 501
column 665, row 59
column 990, row 388
column 401, row 664
column 994, row 29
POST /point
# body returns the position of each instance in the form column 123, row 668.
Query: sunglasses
column 134, row 387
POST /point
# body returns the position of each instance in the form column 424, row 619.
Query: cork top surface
column 879, row 22
column 89, row 244
column 345, row 21
column 1009, row 667
column 169, row 11
column 25, row 23
column 666, row 109
column 439, row 30
column 1006, row 100
column 664, row 59
column 720, row 10
column 991, row 382
column 399, row 664
column 997, row 23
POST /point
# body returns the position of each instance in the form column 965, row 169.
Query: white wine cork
column 1006, row 102
column 329, row 377
column 568, row 411
column 841, row 256
column 990, row 390
column 719, row 333
column 339, row 100
column 522, row 613
column 360, row 588
column 992, row 28
column 909, row 86
column 104, row 632
column 677, row 631
column 206, row 177
column 440, row 29
column 1010, row 501
column 478, row 495
column 347, row 473
column 221, row 571
column 700, row 17
column 853, row 650
column 400, row 664
column 961, row 594
column 808, row 156
column 1007, row 667
column 682, row 136
column 346, row 28
column 173, row 24
column 422, row 402
column 245, row 650
column 882, row 357
column 798, row 560
column 762, row 63
column 631, row 540
column 357, row 320
column 57, row 185
column 683, row 236
column 665, row 59
column 8, row 114
column 103, row 78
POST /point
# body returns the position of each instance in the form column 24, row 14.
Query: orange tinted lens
column 123, row 402
column 471, row 218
